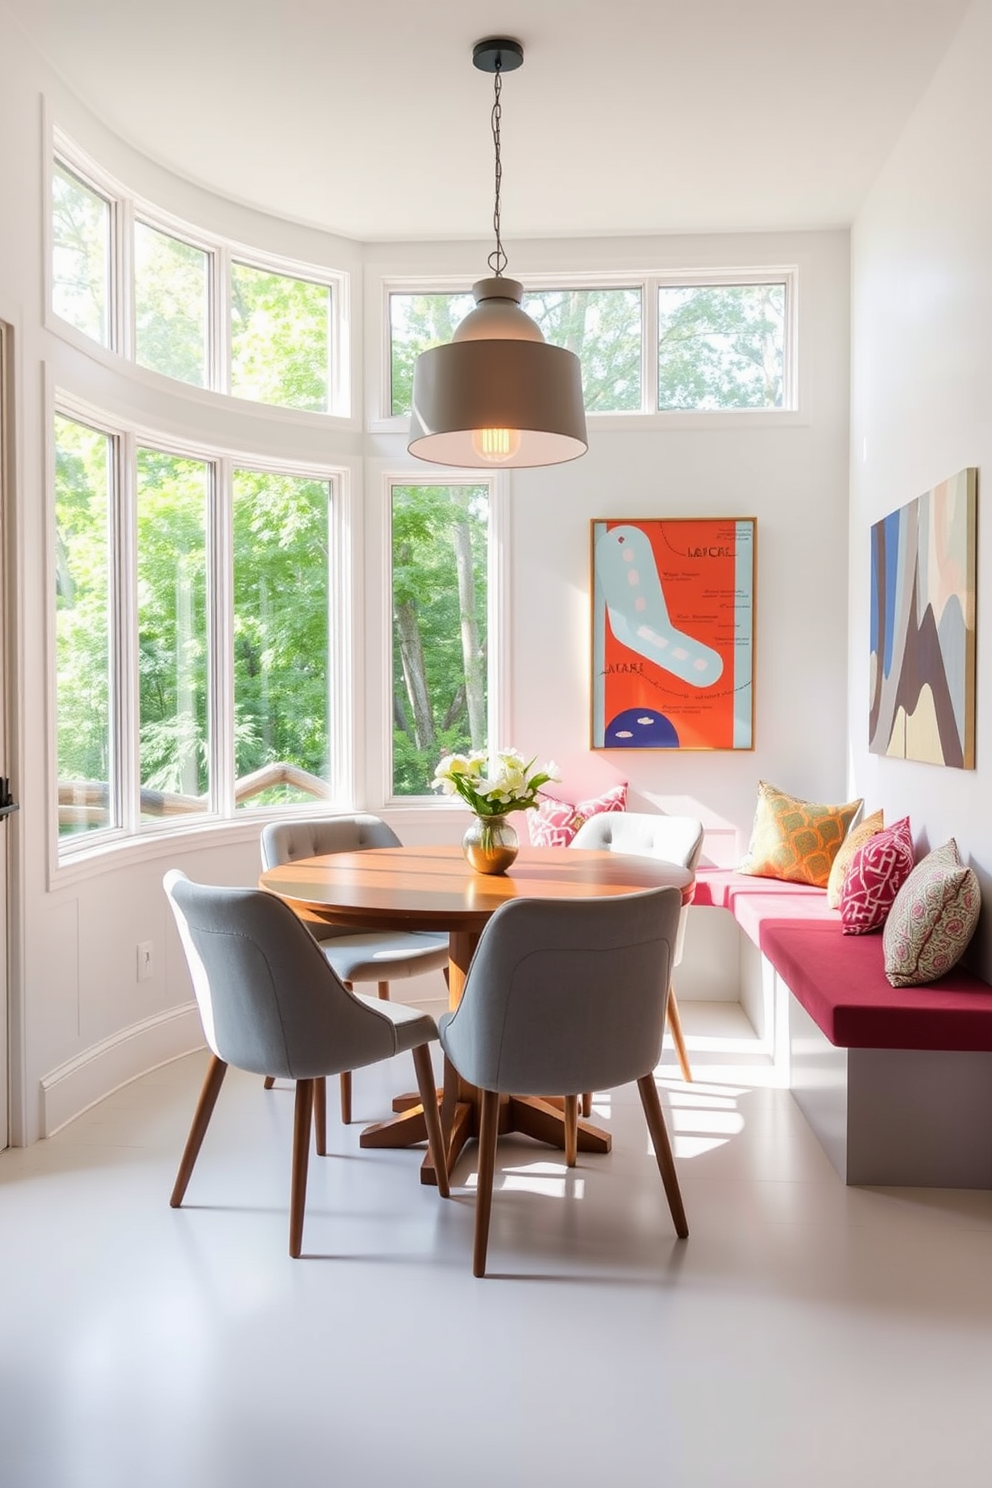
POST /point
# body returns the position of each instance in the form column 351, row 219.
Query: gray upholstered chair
column 380, row 956
column 561, row 997
column 672, row 839
column 270, row 1003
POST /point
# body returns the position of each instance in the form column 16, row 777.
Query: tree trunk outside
column 412, row 660
column 475, row 696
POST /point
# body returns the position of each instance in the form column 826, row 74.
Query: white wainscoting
column 71, row 1088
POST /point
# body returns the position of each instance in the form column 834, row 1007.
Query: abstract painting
column 673, row 633
column 922, row 704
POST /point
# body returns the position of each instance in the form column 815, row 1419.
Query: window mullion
column 498, row 617
column 220, row 609
column 649, row 347
column 220, row 320
column 343, row 662
column 123, row 276
column 126, row 777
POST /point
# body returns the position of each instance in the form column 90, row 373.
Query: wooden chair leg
column 301, row 1159
column 383, row 990
column 675, row 1028
column 269, row 1082
column 320, row 1116
column 449, row 1101
column 345, row 1079
column 432, row 1117
column 571, row 1106
column 488, row 1132
column 587, row 1103
column 655, row 1118
column 216, row 1070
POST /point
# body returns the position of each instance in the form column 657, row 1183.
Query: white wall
column 80, row 1021
column 921, row 401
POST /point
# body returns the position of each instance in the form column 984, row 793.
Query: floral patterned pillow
column 555, row 823
column 932, row 920
column 878, row 871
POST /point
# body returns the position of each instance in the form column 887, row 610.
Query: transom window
column 82, row 222
column 721, row 346
column 189, row 306
column 709, row 342
column 171, row 305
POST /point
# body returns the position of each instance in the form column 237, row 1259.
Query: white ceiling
column 628, row 116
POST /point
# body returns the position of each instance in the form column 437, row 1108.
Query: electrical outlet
column 145, row 965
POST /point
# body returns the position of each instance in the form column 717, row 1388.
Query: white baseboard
column 69, row 1090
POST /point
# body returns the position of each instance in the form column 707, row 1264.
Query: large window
column 281, row 637
column 192, row 307
column 84, row 507
column 221, row 616
column 173, row 727
column 440, row 588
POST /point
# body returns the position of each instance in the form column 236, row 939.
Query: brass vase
column 490, row 844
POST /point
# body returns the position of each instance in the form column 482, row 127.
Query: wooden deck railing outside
column 86, row 803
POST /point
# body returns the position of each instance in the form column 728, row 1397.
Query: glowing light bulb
column 496, row 445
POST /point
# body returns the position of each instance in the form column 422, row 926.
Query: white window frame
column 497, row 620
column 124, row 784
column 786, row 274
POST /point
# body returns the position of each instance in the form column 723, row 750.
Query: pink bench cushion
column 752, row 901
column 840, row 979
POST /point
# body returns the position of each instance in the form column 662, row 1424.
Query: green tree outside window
column 440, row 695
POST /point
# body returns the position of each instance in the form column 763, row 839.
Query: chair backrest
column 285, row 841
column 268, row 999
column 648, row 834
column 674, row 839
column 566, row 996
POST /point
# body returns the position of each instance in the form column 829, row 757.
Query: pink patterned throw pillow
column 932, row 920
column 555, row 823
column 878, row 871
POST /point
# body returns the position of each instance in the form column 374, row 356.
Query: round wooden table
column 433, row 888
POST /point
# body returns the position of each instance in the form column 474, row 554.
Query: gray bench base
column 904, row 1118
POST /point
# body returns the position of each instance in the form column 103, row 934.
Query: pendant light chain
column 497, row 259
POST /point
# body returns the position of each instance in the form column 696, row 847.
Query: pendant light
column 497, row 393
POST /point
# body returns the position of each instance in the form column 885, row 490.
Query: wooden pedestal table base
column 461, row 1113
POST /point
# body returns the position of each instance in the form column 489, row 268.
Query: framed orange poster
column 673, row 633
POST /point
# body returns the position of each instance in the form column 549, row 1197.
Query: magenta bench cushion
column 840, row 979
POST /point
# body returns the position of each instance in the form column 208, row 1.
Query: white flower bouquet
column 493, row 786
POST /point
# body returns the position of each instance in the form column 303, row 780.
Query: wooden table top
column 433, row 888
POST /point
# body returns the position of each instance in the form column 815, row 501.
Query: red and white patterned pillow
column 932, row 920
column 878, row 871
column 555, row 823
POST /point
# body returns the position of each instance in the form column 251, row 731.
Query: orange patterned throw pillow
column 795, row 840
column 856, row 837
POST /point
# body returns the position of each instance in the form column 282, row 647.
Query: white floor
column 805, row 1334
